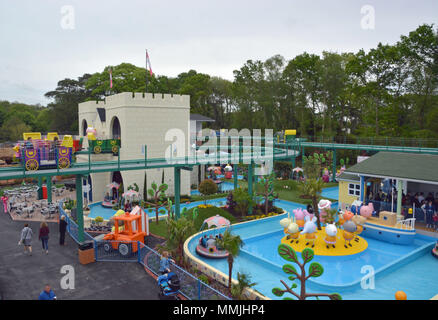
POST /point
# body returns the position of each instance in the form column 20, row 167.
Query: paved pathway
column 24, row 277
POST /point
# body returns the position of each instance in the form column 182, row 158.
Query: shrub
column 98, row 219
column 204, row 278
column 207, row 187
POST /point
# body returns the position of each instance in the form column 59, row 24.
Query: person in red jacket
column 44, row 236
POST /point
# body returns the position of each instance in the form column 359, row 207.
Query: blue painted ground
column 331, row 193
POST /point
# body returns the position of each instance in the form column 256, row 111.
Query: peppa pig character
column 310, row 230
column 299, row 217
column 285, row 223
column 359, row 221
column 330, row 238
column 347, row 215
column 367, row 211
column 349, row 229
column 293, row 231
column 323, row 205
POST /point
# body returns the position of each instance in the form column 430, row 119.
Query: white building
column 138, row 119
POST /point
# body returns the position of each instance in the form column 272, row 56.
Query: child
column 165, row 263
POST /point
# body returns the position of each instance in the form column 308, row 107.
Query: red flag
column 148, row 62
column 111, row 77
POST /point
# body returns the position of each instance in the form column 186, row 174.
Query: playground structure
column 135, row 229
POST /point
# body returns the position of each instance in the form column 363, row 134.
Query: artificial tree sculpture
column 315, row 270
column 158, row 195
column 267, row 190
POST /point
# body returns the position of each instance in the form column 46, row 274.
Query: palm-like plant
column 243, row 282
column 232, row 244
column 313, row 188
column 178, row 231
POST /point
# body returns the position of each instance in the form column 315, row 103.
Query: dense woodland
column 389, row 91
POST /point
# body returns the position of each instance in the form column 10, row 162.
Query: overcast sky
column 39, row 47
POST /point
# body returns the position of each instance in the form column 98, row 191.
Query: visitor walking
column 44, row 236
column 47, row 294
column 5, row 203
column 62, row 229
column 26, row 238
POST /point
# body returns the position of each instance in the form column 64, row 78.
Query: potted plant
column 98, row 220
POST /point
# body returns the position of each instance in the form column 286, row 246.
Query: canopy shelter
column 217, row 221
column 130, row 194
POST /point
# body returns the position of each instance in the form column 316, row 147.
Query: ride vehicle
column 207, row 246
column 36, row 153
column 102, row 145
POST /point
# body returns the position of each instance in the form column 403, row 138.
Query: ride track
column 281, row 151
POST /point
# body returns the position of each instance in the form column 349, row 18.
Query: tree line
column 390, row 90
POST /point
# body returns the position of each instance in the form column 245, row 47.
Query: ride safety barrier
column 192, row 288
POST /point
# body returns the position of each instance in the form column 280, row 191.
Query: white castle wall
column 144, row 120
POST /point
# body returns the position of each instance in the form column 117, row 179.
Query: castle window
column 84, row 127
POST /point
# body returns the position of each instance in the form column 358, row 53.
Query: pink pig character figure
column 367, row 211
column 323, row 205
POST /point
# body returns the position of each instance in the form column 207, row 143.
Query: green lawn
column 286, row 189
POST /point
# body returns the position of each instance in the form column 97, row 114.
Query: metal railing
column 191, row 287
column 72, row 227
column 375, row 141
column 406, row 224
column 131, row 251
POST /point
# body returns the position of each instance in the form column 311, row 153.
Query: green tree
column 315, row 270
column 232, row 244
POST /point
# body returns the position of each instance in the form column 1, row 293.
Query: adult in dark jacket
column 62, row 229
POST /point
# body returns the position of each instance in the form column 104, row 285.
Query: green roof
column 406, row 166
column 349, row 177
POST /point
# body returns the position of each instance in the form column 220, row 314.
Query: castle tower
column 138, row 119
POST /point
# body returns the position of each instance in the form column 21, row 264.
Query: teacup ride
column 207, row 246
column 113, row 195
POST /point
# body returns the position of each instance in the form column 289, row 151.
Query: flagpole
column 146, row 69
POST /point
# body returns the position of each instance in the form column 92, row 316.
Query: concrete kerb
column 215, row 273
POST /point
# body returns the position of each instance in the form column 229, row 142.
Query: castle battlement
column 137, row 99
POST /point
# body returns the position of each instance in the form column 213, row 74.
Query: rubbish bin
column 86, row 252
column 44, row 192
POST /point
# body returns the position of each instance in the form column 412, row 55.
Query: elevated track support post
column 40, row 187
column 49, row 188
column 79, row 208
column 177, row 191
column 334, row 166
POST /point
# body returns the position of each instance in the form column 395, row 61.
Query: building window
column 84, row 127
column 354, row 189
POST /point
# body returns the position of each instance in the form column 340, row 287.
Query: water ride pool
column 223, row 187
column 397, row 267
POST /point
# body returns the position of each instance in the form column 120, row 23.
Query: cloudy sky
column 45, row 41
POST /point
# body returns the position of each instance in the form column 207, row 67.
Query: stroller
column 169, row 286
